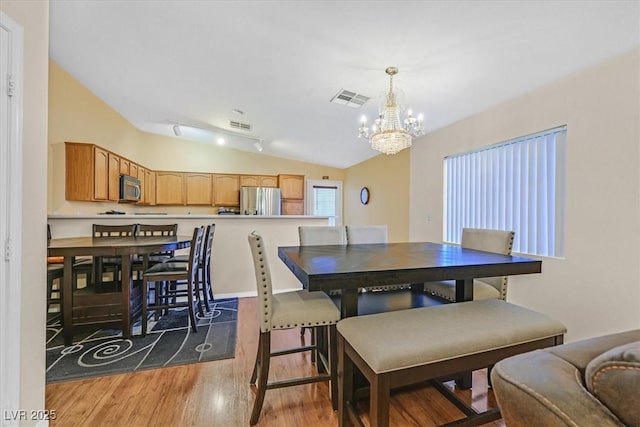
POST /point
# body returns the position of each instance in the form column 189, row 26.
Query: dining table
column 349, row 268
column 106, row 309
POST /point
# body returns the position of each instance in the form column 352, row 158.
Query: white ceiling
column 163, row 62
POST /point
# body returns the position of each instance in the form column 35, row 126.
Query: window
column 515, row 185
column 324, row 198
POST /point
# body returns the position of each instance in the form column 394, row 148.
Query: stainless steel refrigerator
column 259, row 201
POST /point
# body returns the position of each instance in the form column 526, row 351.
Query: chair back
column 496, row 241
column 208, row 244
column 100, row 230
column 156, row 229
column 322, row 235
column 360, row 234
column 148, row 230
column 194, row 253
column 263, row 280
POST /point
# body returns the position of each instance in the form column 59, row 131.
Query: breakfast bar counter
column 232, row 271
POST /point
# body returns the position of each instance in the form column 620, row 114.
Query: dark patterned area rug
column 169, row 341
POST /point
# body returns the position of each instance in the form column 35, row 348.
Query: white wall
column 34, row 18
column 595, row 289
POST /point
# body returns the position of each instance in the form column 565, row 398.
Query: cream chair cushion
column 322, row 235
column 289, row 309
column 360, row 234
column 496, row 241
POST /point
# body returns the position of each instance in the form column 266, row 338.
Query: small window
column 324, row 198
column 516, row 185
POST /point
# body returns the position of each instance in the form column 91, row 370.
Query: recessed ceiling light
column 221, row 141
column 238, row 112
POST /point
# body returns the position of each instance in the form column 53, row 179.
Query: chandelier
column 389, row 134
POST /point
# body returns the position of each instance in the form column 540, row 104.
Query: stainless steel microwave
column 130, row 190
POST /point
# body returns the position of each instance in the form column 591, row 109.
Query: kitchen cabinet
column 258, row 181
column 150, row 185
column 292, row 193
column 124, row 166
column 226, row 190
column 169, row 188
column 199, row 188
column 291, row 186
column 133, row 170
column 292, row 207
column 114, row 177
column 87, row 172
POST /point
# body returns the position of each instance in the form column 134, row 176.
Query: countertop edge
column 187, row 216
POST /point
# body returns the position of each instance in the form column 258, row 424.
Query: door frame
column 11, row 141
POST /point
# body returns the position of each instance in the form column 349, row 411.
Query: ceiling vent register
column 239, row 125
column 350, row 99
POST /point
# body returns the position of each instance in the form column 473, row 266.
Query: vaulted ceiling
column 280, row 63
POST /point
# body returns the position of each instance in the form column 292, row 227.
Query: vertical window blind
column 516, row 185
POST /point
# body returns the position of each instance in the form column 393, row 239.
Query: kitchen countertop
column 181, row 216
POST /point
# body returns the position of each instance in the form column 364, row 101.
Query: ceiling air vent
column 239, row 125
column 350, row 99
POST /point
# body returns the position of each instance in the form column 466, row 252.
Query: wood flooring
column 217, row 394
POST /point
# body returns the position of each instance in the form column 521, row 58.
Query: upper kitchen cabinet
column 114, row 177
column 226, row 190
column 169, row 188
column 87, row 172
column 199, row 188
column 149, row 188
column 133, row 170
column 258, row 181
column 291, row 186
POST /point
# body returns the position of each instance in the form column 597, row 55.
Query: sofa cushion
column 614, row 378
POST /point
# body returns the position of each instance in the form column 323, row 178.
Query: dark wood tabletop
column 115, row 302
column 349, row 267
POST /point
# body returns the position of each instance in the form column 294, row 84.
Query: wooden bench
column 407, row 347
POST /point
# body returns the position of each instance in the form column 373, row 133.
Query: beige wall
column 595, row 289
column 34, row 18
column 76, row 114
column 387, row 178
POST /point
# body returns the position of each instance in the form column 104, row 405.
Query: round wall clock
column 364, row 195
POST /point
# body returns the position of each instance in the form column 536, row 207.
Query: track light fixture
column 176, row 130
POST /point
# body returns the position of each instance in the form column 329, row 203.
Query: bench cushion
column 407, row 338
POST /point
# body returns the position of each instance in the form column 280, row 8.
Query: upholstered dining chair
column 363, row 234
column 322, row 235
column 167, row 293
column 497, row 241
column 288, row 310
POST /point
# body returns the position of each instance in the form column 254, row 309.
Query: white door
column 324, row 198
column 11, row 48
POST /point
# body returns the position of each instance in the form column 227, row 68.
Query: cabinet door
column 268, row 181
column 199, row 189
column 78, row 171
column 292, row 207
column 169, row 188
column 100, row 174
column 133, row 170
column 249, row 181
column 114, row 177
column 291, row 186
column 226, row 191
column 142, row 176
column 150, row 183
column 124, row 166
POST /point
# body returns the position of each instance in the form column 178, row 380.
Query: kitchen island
column 232, row 272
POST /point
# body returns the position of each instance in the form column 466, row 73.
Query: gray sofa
column 594, row 382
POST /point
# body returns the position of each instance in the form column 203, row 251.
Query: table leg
column 67, row 300
column 126, row 296
column 464, row 292
column 348, row 303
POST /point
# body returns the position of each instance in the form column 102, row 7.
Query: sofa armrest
column 539, row 388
